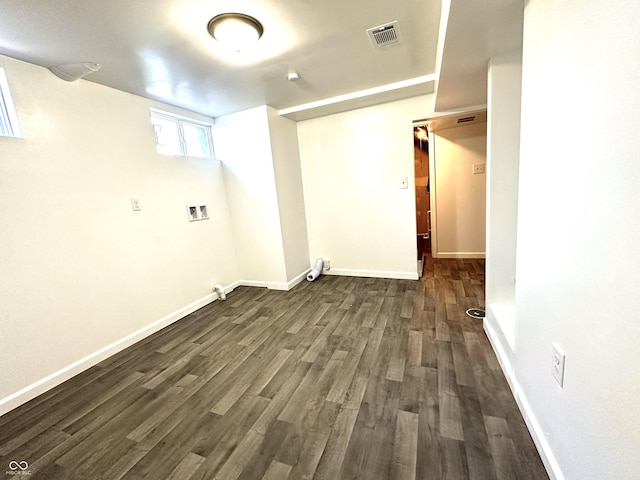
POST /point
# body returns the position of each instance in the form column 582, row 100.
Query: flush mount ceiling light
column 235, row 30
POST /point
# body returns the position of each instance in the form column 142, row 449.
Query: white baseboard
column 536, row 431
column 37, row 388
column 273, row 285
column 372, row 273
column 263, row 284
column 459, row 254
column 298, row 279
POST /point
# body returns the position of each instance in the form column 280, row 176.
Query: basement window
column 176, row 135
column 9, row 126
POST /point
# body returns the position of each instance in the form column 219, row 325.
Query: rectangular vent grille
column 384, row 35
column 466, row 119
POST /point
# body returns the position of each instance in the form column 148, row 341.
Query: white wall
column 352, row 164
column 243, row 144
column 459, row 196
column 288, row 177
column 80, row 269
column 259, row 153
column 578, row 235
column 503, row 156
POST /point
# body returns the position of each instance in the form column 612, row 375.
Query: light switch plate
column 557, row 366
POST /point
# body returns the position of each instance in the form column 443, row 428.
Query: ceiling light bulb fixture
column 421, row 134
column 235, row 30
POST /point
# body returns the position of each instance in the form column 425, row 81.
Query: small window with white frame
column 176, row 135
column 9, row 126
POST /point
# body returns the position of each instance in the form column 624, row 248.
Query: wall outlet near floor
column 326, row 265
column 478, row 168
column 558, row 361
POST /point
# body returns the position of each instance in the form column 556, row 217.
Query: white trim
column 433, row 193
column 174, row 116
column 459, row 254
column 359, row 94
column 272, row 285
column 372, row 273
column 298, row 279
column 263, row 284
column 180, row 121
column 535, row 429
column 11, row 119
column 37, row 388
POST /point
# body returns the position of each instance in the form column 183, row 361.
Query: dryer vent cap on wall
column 384, row 35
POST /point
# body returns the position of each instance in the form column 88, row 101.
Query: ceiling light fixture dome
column 235, row 30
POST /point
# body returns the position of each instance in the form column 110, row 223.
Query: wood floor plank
column 405, row 447
column 332, row 459
column 241, row 456
column 414, row 348
column 339, row 379
column 346, row 373
column 227, row 433
column 502, row 450
column 314, row 446
column 478, row 450
column 379, row 455
column 186, row 467
column 277, row 471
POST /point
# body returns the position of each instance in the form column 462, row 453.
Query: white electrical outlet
column 404, row 182
column 558, row 361
column 327, row 265
column 478, row 168
column 135, row 204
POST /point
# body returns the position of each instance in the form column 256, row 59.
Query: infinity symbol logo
column 13, row 465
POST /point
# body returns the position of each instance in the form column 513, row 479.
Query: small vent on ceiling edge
column 384, row 35
column 466, row 119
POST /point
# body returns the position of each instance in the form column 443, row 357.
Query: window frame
column 9, row 125
column 180, row 122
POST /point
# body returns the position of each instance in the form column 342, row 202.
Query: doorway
column 423, row 195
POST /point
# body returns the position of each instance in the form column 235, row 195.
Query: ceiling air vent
column 384, row 35
column 466, row 119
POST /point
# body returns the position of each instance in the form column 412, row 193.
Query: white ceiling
column 161, row 49
column 476, row 31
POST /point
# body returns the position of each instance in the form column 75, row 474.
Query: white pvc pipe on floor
column 219, row 290
column 317, row 270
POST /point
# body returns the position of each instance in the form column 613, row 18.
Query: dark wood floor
column 342, row 378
